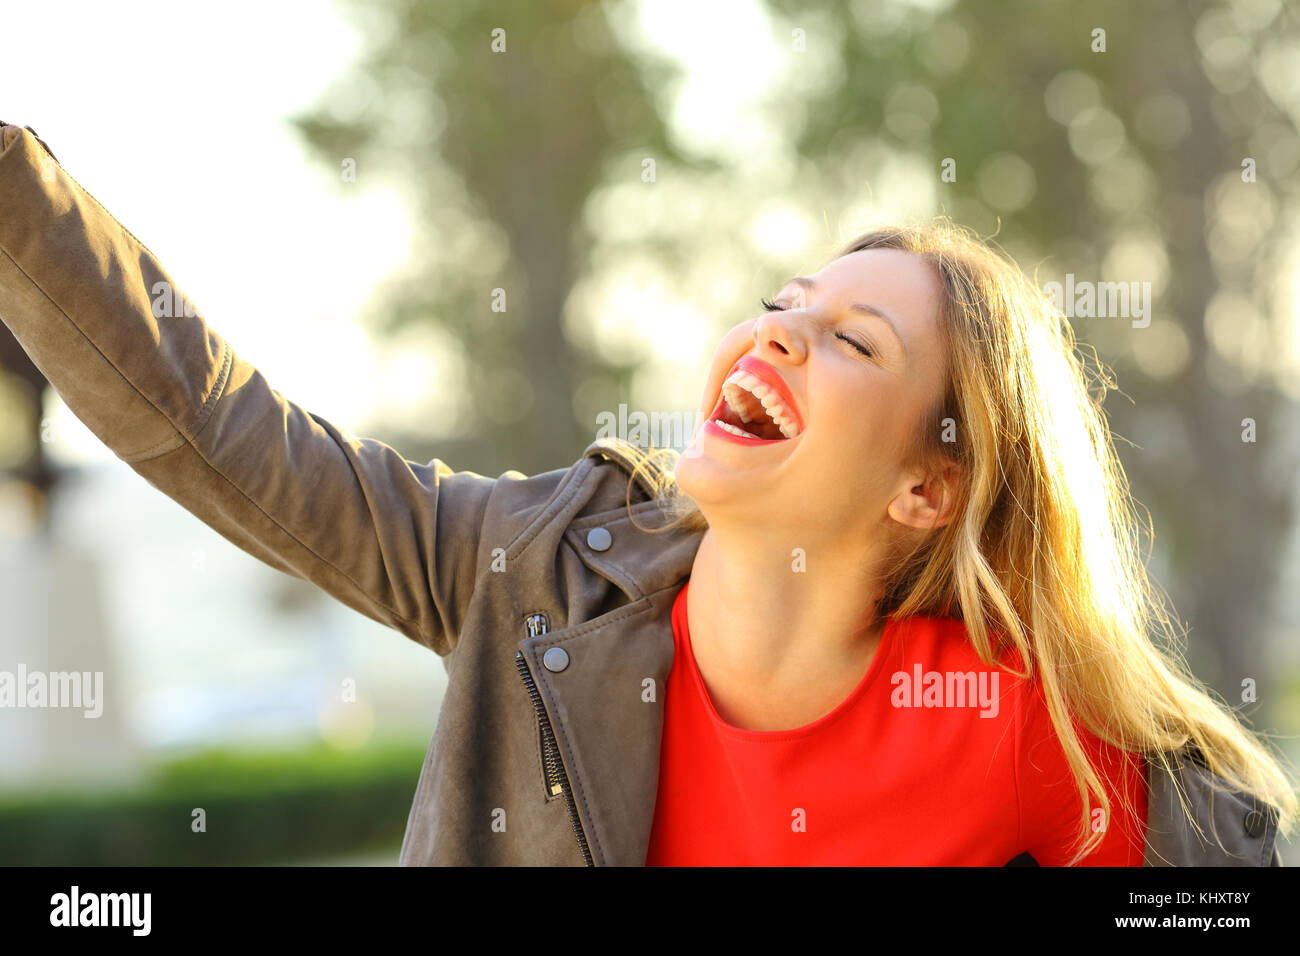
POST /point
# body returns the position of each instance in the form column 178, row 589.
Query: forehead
column 892, row 280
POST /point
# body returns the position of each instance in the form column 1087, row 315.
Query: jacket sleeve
column 137, row 363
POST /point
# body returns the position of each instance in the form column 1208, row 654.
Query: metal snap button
column 555, row 659
column 598, row 539
column 1254, row 823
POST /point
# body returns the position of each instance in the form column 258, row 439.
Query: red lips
column 770, row 377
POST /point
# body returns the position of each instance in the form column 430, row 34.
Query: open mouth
column 755, row 405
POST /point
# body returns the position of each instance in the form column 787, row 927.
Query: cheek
column 858, row 407
column 734, row 344
column 870, row 418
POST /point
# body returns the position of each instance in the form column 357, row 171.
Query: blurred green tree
column 529, row 108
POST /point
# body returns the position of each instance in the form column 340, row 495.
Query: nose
column 782, row 333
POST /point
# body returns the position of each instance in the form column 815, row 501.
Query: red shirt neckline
column 774, row 736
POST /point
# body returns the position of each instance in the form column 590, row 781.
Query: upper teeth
column 765, row 394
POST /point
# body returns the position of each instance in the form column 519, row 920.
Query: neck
column 778, row 610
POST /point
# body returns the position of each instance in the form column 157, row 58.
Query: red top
column 910, row 769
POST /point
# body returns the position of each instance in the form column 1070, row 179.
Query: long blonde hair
column 1044, row 554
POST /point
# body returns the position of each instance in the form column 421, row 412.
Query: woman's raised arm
column 102, row 319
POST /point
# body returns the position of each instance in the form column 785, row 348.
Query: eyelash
column 773, row 307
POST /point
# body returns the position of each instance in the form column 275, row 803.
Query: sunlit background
column 350, row 190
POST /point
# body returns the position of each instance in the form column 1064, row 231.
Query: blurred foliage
column 261, row 808
column 501, row 151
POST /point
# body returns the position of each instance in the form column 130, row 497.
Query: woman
column 902, row 623
column 931, row 453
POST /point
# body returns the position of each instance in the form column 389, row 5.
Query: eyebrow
column 862, row 308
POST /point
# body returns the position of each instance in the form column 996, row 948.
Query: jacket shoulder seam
column 568, row 488
column 616, row 450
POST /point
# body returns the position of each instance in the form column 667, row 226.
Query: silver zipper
column 557, row 781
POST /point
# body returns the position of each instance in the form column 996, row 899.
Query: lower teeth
column 732, row 429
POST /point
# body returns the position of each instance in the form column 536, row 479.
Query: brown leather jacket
column 549, row 607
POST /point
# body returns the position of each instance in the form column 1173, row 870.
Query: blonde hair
column 1044, row 552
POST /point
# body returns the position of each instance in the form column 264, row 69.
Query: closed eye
column 773, row 307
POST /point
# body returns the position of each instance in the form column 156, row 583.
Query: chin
column 713, row 486
column 703, row 479
column 686, row 471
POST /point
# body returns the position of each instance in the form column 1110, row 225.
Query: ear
column 926, row 502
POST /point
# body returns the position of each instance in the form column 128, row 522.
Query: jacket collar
column 640, row 562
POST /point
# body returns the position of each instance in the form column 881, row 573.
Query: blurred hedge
column 263, row 807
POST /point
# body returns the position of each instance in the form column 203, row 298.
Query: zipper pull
column 536, row 624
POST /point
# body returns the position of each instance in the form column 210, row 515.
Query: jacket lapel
column 605, row 694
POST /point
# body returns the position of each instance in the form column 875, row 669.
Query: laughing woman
column 918, row 557
column 887, row 608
